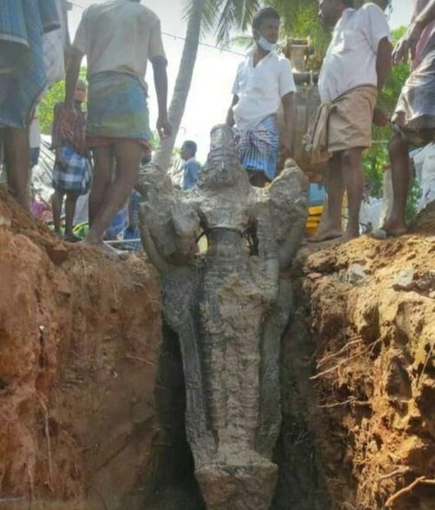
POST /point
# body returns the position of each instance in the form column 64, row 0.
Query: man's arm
column 72, row 76
column 383, row 68
column 230, row 115
column 383, row 62
column 56, row 133
column 289, row 107
column 67, row 47
column 409, row 41
column 161, row 84
column 427, row 15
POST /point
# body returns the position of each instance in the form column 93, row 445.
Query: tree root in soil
column 421, row 480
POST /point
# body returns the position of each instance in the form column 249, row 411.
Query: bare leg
column 331, row 225
column 401, row 174
column 56, row 203
column 128, row 155
column 17, row 159
column 70, row 210
column 103, row 176
column 3, row 173
column 354, row 179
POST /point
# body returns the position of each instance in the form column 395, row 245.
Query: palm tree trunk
column 183, row 83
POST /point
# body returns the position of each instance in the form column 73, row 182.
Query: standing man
column 414, row 118
column 354, row 71
column 23, row 79
column 72, row 170
column 186, row 173
column 118, row 37
column 264, row 81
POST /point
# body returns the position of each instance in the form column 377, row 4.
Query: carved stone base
column 227, row 487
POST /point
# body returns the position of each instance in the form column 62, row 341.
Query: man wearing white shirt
column 355, row 68
column 263, row 83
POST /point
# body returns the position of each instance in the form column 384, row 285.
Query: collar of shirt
column 251, row 55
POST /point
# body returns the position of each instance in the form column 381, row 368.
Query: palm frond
column 227, row 18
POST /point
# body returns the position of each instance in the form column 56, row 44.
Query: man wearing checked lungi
column 414, row 118
column 118, row 38
column 264, row 81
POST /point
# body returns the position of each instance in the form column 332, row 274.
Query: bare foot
column 71, row 238
column 104, row 248
column 395, row 228
column 395, row 231
column 326, row 235
column 349, row 235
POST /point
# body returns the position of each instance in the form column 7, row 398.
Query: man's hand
column 59, row 161
column 230, row 118
column 380, row 119
column 286, row 143
column 67, row 120
column 164, row 127
column 408, row 43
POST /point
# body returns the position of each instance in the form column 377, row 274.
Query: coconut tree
column 184, row 80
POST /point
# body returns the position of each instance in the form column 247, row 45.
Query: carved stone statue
column 230, row 307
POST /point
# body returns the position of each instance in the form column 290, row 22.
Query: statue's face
column 221, row 170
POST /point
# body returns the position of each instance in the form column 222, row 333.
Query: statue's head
column 223, row 169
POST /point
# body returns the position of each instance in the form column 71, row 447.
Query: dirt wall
column 79, row 340
column 360, row 360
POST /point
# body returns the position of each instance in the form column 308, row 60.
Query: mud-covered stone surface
column 79, row 343
column 359, row 376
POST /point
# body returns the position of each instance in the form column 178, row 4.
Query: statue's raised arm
column 169, row 224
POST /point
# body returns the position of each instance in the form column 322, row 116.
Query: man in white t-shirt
column 118, row 38
column 355, row 68
column 263, row 83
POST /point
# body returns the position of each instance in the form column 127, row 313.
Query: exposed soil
column 79, row 341
column 360, row 361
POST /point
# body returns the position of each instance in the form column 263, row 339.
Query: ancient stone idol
column 229, row 305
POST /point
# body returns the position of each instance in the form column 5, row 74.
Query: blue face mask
column 266, row 45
